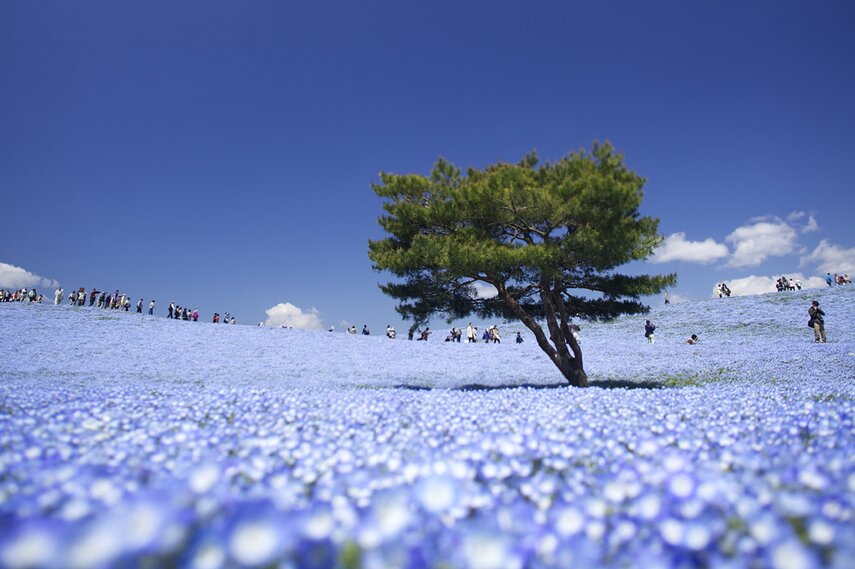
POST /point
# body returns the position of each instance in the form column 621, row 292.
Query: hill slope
column 134, row 441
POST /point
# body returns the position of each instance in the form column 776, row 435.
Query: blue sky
column 220, row 154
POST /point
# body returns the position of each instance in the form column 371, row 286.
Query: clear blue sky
column 220, row 154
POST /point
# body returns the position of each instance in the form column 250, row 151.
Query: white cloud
column 832, row 258
column 810, row 226
column 796, row 215
column 484, row 290
column 286, row 314
column 15, row 277
column 761, row 239
column 675, row 247
column 754, row 284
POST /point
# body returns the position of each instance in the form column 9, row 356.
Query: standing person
column 649, row 328
column 365, row 331
column 139, row 306
column 151, row 308
column 667, row 299
column 828, row 279
column 216, row 318
column 519, row 338
column 817, row 322
column 195, row 315
column 470, row 334
column 57, row 296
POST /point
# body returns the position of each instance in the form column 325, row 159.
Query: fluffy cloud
column 484, row 290
column 286, row 314
column 761, row 239
column 832, row 258
column 759, row 284
column 15, row 277
column 675, row 247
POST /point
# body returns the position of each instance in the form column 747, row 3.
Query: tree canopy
column 547, row 236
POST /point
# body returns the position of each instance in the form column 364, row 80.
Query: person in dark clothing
column 139, row 306
column 365, row 331
column 519, row 338
column 649, row 328
column 817, row 321
column 171, row 310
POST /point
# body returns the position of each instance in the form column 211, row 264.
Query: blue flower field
column 133, row 441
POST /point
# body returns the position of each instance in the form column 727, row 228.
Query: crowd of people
column 121, row 301
column 108, row 300
column 837, row 279
column 21, row 295
column 785, row 283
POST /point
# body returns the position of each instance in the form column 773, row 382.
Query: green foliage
column 547, row 236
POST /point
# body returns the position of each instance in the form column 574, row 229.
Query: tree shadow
column 601, row 383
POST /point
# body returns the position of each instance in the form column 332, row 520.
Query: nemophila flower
column 437, row 494
column 194, row 465
column 32, row 544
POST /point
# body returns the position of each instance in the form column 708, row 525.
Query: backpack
column 810, row 323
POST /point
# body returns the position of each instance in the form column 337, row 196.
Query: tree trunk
column 569, row 366
column 572, row 370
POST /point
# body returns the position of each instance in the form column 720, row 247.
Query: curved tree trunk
column 570, row 366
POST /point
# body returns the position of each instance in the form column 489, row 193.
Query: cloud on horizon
column 286, row 314
column 16, row 277
column 675, row 247
column 831, row 258
column 760, row 239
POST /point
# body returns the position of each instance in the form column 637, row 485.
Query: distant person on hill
column 424, row 335
column 365, row 331
column 233, row 321
column 817, row 321
column 725, row 289
column 693, row 340
column 494, row 335
column 390, row 332
column 151, row 308
column 667, row 299
column 519, row 339
column 470, row 334
column 216, row 319
column 648, row 332
column 829, row 280
column 139, row 306
column 332, row 328
column 57, row 296
column 195, row 315
column 171, row 310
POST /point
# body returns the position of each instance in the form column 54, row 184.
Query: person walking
column 151, row 308
column 470, row 334
column 139, row 306
column 171, row 310
column 649, row 328
column 817, row 322
column 57, row 296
